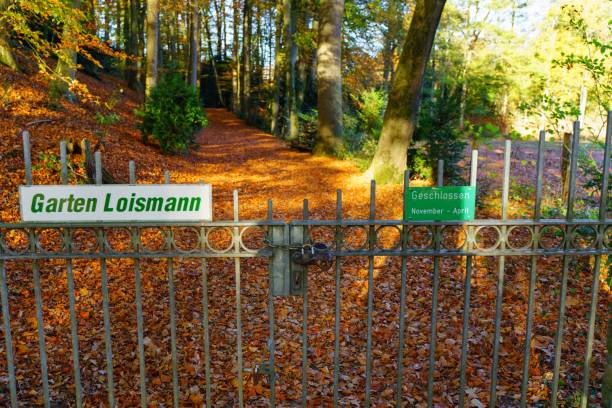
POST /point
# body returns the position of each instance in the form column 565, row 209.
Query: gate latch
column 317, row 253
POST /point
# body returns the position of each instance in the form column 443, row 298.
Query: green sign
column 440, row 203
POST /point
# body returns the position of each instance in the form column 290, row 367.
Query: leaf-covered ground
column 232, row 156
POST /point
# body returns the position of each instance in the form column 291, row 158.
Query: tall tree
column 131, row 42
column 152, row 24
column 329, row 76
column 278, row 63
column 194, row 49
column 236, row 69
column 399, row 121
column 289, row 17
column 245, row 79
column 6, row 53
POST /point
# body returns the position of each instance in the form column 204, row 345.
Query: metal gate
column 297, row 255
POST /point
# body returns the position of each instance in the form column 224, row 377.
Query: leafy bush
column 370, row 107
column 172, row 114
column 436, row 138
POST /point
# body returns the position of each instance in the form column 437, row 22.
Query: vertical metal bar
column 338, row 297
column 206, row 331
column 8, row 338
column 500, row 277
column 70, row 279
column 603, row 207
column 434, row 300
column 63, row 162
column 41, row 331
column 27, row 157
column 139, row 315
column 466, row 296
column 98, row 163
column 132, row 171
column 566, row 260
column 238, row 305
column 371, row 246
column 305, row 320
column 533, row 272
column 402, row 313
column 108, row 345
column 271, row 322
column 172, row 301
column 175, row 382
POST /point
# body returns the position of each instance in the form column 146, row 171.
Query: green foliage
column 481, row 133
column 437, row 138
column 48, row 162
column 593, row 174
column 172, row 114
column 370, row 107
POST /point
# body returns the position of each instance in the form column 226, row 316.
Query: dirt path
column 235, row 156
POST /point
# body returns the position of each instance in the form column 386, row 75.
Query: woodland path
column 233, row 155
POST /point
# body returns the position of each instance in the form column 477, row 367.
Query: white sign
column 116, row 202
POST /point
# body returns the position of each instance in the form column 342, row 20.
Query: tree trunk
column 565, row 164
column 289, row 16
column 387, row 62
column 152, row 44
column 194, row 49
column 606, row 386
column 224, row 31
column 213, row 63
column 65, row 71
column 275, row 127
column 131, row 74
column 329, row 74
column 107, row 18
column 118, row 26
column 141, row 63
column 245, row 87
column 173, row 37
column 6, row 53
column 399, row 122
column 464, row 90
column 236, row 74
column 219, row 26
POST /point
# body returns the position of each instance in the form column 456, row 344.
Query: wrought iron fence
column 294, row 254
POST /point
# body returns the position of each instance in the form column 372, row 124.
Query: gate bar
column 533, row 272
column 434, row 300
column 206, row 329
column 402, row 313
column 466, row 296
column 603, row 207
column 338, row 296
column 138, row 294
column 500, row 276
column 271, row 322
column 172, row 302
column 108, row 345
column 566, row 260
column 8, row 338
column 238, row 306
column 27, row 158
column 371, row 245
column 70, row 279
column 305, row 317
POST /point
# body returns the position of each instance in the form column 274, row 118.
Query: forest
column 315, row 119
